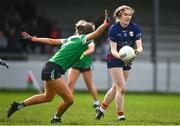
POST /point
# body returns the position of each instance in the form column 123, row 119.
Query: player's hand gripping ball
column 127, row 54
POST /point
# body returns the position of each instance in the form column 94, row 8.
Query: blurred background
column 157, row 69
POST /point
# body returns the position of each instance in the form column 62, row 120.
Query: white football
column 126, row 53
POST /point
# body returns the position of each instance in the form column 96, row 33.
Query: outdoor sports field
column 140, row 109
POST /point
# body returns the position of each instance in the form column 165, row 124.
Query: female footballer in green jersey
column 70, row 52
column 84, row 66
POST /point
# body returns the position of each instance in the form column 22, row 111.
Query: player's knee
column 121, row 91
column 71, row 83
column 89, row 86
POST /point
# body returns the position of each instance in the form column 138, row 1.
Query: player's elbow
column 52, row 41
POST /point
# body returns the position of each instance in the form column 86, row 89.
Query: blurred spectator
column 26, row 9
column 55, row 31
column 21, row 15
column 101, row 43
column 13, row 42
column 101, row 38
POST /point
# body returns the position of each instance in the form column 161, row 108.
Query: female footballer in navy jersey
column 69, row 53
column 122, row 32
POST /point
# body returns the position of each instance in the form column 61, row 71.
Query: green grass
column 140, row 109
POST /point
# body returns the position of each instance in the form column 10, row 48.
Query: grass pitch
column 140, row 109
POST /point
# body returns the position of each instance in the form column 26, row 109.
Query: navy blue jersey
column 124, row 36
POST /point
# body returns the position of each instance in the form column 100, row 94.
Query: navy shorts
column 51, row 71
column 114, row 62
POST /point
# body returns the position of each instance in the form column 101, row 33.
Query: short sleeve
column 138, row 33
column 91, row 43
column 112, row 34
column 84, row 39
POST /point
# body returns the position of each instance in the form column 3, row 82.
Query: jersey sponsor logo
column 131, row 33
column 119, row 34
column 125, row 34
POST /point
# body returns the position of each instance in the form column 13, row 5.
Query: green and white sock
column 20, row 105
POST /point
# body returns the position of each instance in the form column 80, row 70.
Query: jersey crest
column 131, row 33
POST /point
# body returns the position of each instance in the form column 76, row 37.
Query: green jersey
column 70, row 52
column 85, row 62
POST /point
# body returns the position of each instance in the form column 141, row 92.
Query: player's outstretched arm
column 100, row 29
column 49, row 41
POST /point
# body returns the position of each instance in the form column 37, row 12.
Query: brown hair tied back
column 84, row 27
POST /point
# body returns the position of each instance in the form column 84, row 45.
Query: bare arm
column 100, row 29
column 91, row 48
column 50, row 41
column 139, row 47
column 114, row 51
column 98, row 32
